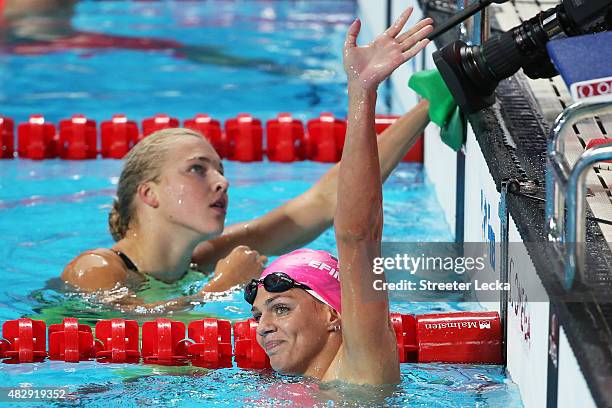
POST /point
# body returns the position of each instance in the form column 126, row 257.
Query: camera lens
column 473, row 72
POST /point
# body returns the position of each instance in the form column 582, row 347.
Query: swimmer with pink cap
column 317, row 270
column 300, row 291
column 317, row 316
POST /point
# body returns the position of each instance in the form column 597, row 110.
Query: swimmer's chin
column 286, row 371
column 209, row 230
column 276, row 362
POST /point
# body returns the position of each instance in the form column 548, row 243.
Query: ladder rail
column 566, row 186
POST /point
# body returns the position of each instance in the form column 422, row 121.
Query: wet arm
column 366, row 333
column 369, row 353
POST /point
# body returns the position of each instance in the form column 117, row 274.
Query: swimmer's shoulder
column 97, row 269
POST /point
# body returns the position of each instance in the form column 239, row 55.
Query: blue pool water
column 262, row 57
column 267, row 57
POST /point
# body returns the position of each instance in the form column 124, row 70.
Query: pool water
column 52, row 210
column 218, row 57
column 267, row 57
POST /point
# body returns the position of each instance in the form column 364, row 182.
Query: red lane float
column 70, row 341
column 467, row 337
column 285, row 139
column 163, row 342
column 157, row 122
column 25, row 341
column 242, row 140
column 119, row 341
column 212, row 343
column 244, row 136
column 78, row 137
column 210, row 129
column 4, row 347
column 460, row 337
column 415, row 154
column 7, row 138
column 325, row 138
column 36, row 139
column 248, row 353
column 405, row 334
column 118, row 135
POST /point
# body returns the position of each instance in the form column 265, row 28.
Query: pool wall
column 470, row 199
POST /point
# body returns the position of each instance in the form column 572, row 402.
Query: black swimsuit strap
column 127, row 261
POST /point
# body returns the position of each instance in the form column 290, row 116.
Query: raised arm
column 369, row 346
column 304, row 218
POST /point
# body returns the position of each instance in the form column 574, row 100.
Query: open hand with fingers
column 371, row 64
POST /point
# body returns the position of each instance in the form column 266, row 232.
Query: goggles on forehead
column 276, row 282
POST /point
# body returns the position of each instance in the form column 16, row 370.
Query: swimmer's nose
column 221, row 184
column 265, row 326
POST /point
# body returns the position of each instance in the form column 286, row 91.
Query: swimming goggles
column 275, row 282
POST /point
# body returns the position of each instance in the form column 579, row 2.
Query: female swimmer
column 171, row 204
column 319, row 317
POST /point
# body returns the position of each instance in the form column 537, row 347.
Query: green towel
column 443, row 110
column 453, row 132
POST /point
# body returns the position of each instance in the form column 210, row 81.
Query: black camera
column 473, row 72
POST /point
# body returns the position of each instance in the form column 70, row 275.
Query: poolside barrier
column 240, row 139
column 460, row 337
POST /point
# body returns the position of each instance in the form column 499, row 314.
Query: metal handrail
column 567, row 183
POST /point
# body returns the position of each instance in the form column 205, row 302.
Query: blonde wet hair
column 143, row 163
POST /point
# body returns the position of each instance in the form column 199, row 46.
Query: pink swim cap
column 314, row 268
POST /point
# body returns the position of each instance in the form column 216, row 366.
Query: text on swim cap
column 333, row 272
